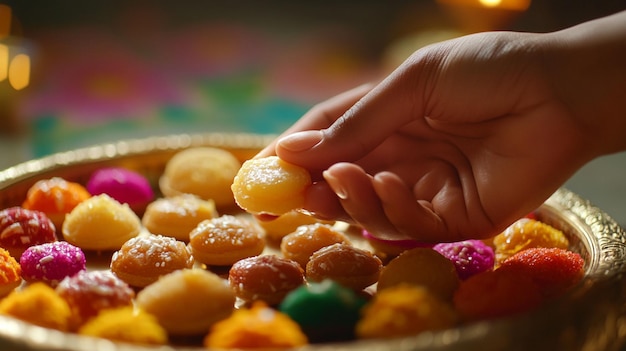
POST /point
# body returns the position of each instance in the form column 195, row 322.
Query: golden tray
column 591, row 317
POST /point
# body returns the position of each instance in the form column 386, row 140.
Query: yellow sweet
column 101, row 223
column 126, row 324
column 206, row 172
column 188, row 301
column 177, row 216
column 527, row 233
column 38, row 304
column 270, row 185
column 284, row 224
column 405, row 310
column 259, row 327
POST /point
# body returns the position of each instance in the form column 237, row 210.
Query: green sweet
column 326, row 311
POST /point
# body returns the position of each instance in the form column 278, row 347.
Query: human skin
column 467, row 135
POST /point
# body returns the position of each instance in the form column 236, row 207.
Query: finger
column 380, row 113
column 358, row 198
column 321, row 202
column 408, row 215
column 322, row 115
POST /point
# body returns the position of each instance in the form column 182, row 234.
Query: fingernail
column 301, row 141
column 335, row 185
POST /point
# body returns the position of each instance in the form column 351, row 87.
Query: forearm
column 587, row 64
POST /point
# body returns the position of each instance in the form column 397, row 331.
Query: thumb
column 363, row 127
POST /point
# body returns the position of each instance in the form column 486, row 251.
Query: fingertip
column 300, row 141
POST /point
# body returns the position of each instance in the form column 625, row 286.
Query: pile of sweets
column 126, row 260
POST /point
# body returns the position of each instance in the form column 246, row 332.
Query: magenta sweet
column 469, row 256
column 122, row 184
column 51, row 262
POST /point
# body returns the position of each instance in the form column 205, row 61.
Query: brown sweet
column 177, row 216
column 270, row 185
column 101, row 223
column 267, row 278
column 203, row 171
column 301, row 244
column 225, row 240
column 345, row 264
column 143, row 259
column 188, row 301
column 424, row 267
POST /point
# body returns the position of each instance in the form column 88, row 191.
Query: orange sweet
column 38, row 304
column 55, row 197
column 553, row 270
column 526, row 233
column 259, row 327
column 10, row 273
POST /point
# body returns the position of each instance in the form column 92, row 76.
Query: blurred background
column 78, row 73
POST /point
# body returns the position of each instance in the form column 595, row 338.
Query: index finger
column 322, row 115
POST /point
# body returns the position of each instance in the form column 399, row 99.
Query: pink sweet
column 51, row 262
column 122, row 184
column 469, row 256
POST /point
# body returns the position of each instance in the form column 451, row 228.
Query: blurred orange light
column 515, row 5
column 4, row 62
column 19, row 71
column 5, row 21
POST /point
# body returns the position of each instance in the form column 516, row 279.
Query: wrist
column 586, row 66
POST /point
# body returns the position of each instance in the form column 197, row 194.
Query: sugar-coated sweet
column 177, row 216
column 10, row 273
column 391, row 247
column 497, row 293
column 404, row 310
column 259, row 327
column 38, row 304
column 267, row 277
column 126, row 324
column 51, row 262
column 468, row 256
column 143, row 259
column 89, row 292
column 554, row 270
column 270, row 185
column 101, row 223
column 188, row 301
column 301, row 244
column 225, row 240
column 526, row 233
column 347, row 265
column 21, row 228
column 421, row 266
column 326, row 311
column 122, row 184
column 56, row 197
column 206, row 172
column 284, row 224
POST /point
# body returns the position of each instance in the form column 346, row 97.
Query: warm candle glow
column 514, row 5
column 19, row 71
column 4, row 62
column 490, row 3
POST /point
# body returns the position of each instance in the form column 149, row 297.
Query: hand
column 461, row 140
